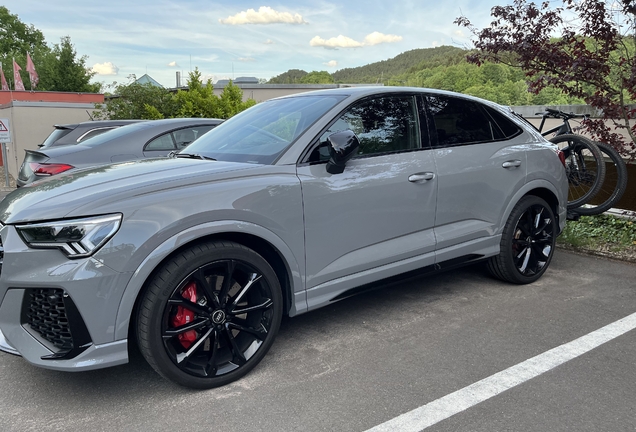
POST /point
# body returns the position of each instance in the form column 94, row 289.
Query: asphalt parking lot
column 364, row 361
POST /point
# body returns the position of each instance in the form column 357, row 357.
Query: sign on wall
column 5, row 132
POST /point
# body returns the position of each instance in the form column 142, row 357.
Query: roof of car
column 360, row 91
column 97, row 123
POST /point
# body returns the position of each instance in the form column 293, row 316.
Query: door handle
column 421, row 177
column 511, row 163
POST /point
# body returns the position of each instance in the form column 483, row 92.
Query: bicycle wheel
column 584, row 166
column 614, row 184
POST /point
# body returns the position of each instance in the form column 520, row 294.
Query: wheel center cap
column 218, row 317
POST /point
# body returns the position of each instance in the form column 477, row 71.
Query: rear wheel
column 614, row 184
column 209, row 315
column 527, row 242
column 584, row 166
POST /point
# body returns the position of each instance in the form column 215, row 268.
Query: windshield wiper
column 193, row 156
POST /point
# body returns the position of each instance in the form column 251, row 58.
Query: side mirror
column 342, row 147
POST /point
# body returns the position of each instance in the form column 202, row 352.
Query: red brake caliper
column 185, row 316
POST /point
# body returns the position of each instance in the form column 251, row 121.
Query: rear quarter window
column 457, row 121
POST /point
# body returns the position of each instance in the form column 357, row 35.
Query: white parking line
column 456, row 402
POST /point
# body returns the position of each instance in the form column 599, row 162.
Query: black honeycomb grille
column 47, row 315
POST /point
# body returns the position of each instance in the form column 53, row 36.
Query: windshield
column 261, row 133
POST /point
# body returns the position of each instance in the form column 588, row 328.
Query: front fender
column 154, row 259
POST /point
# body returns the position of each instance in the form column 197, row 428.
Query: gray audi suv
column 289, row 206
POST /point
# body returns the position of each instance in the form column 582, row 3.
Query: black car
column 67, row 134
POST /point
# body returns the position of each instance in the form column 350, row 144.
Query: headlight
column 77, row 238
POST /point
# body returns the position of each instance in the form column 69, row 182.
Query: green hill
column 384, row 70
column 443, row 68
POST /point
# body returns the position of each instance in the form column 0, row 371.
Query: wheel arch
column 262, row 241
column 544, row 190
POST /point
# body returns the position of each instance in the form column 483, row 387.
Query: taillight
column 44, row 169
column 561, row 156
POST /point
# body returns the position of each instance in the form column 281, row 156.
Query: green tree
column 231, row 101
column 16, row 39
column 137, row 101
column 59, row 68
column 199, row 100
column 316, row 77
column 63, row 70
column 145, row 101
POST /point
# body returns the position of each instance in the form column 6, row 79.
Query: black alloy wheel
column 527, row 242
column 210, row 315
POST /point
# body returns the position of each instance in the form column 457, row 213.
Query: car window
column 460, row 121
column 185, row 136
column 384, row 124
column 162, row 142
column 55, row 135
column 94, row 132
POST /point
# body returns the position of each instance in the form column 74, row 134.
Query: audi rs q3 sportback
column 289, row 206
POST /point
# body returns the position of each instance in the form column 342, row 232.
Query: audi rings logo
column 218, row 317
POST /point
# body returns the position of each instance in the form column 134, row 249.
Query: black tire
column 614, row 184
column 226, row 332
column 584, row 166
column 527, row 242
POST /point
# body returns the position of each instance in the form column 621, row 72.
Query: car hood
column 57, row 196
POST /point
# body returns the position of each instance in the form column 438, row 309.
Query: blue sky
column 245, row 38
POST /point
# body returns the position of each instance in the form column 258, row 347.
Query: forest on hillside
column 442, row 68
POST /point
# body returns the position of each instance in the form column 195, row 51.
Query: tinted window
column 163, row 142
column 384, row 124
column 508, row 128
column 460, row 121
column 55, row 135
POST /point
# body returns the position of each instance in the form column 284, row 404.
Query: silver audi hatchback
column 293, row 204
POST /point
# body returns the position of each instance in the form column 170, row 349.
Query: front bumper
column 58, row 313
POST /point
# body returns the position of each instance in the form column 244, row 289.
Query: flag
column 33, row 75
column 5, row 86
column 17, row 79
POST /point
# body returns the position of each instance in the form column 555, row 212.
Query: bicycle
column 584, row 163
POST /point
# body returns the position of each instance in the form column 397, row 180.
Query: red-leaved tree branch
column 580, row 47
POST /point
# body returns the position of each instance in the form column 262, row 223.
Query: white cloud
column 376, row 38
column 459, row 33
column 341, row 41
column 269, row 42
column 246, row 59
column 331, row 63
column 106, row 68
column 335, row 42
column 173, row 64
column 265, row 15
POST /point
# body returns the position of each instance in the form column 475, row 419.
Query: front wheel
column 209, row 315
column 527, row 242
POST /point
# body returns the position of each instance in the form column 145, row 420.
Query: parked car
column 135, row 141
column 73, row 133
column 289, row 206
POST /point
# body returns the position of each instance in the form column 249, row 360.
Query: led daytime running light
column 77, row 238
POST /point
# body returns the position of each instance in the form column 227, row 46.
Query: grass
column 605, row 234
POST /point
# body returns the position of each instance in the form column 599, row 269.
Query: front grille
column 47, row 315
